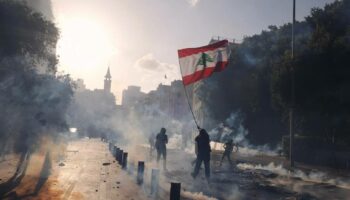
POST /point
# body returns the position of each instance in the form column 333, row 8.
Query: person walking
column 161, row 141
column 228, row 149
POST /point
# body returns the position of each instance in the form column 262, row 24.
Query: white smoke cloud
column 313, row 176
column 155, row 72
column 196, row 196
column 233, row 129
column 149, row 62
column 193, row 2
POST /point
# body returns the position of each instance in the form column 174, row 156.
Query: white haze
column 313, row 176
column 235, row 130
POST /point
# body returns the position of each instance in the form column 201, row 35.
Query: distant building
column 92, row 108
column 80, row 85
column 132, row 96
column 163, row 95
column 101, row 96
column 168, row 99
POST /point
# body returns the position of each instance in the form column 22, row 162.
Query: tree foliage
column 33, row 98
column 259, row 78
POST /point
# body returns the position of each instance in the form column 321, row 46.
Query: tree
column 257, row 82
column 33, row 98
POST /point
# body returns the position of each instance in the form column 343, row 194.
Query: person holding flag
column 197, row 64
column 203, row 153
column 201, row 62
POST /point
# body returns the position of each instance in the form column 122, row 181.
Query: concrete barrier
column 154, row 181
column 114, row 150
column 120, row 157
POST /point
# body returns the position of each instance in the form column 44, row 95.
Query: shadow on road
column 15, row 180
column 20, row 173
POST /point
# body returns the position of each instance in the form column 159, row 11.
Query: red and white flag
column 201, row 62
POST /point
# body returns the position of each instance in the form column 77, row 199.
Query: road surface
column 87, row 170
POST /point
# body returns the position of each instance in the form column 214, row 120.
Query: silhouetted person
column 228, row 146
column 161, row 141
column 203, row 153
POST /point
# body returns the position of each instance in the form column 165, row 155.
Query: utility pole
column 292, row 103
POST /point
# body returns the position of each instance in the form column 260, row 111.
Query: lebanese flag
column 201, row 62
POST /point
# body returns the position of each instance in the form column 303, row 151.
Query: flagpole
column 188, row 101
column 221, row 43
column 189, row 105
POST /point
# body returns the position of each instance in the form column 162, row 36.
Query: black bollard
column 175, row 190
column 120, row 159
column 125, row 160
column 140, row 171
column 154, row 181
column 114, row 150
column 117, row 154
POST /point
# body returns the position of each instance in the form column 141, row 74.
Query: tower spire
column 108, row 81
column 108, row 75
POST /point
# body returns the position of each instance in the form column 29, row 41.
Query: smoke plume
column 232, row 128
column 313, row 176
column 42, row 6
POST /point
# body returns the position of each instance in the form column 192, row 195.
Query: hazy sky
column 139, row 39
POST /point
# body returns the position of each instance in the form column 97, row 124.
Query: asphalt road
column 86, row 169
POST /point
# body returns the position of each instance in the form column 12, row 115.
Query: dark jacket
column 203, row 145
column 161, row 141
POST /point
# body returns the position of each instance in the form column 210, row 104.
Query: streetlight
column 292, row 104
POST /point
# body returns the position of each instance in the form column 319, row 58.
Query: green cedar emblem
column 204, row 59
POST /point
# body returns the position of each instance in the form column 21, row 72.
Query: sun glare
column 84, row 44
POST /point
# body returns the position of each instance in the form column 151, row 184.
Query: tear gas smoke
column 313, row 176
column 233, row 129
column 196, row 196
column 33, row 97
